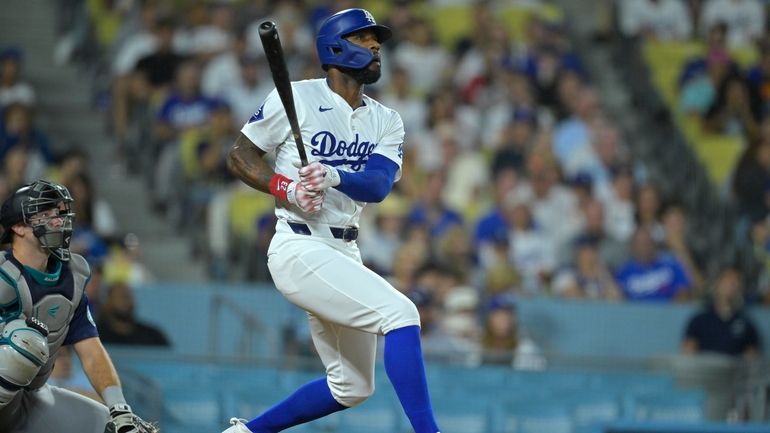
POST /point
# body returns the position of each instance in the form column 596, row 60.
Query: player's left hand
column 123, row 420
column 319, row 177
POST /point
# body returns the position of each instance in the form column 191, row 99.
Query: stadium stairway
column 65, row 112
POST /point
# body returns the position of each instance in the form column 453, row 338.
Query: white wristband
column 290, row 190
column 113, row 395
column 332, row 176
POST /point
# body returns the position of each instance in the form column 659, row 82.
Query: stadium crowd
column 518, row 181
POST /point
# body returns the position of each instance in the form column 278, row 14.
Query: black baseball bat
column 268, row 33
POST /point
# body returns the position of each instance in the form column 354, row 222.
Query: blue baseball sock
column 312, row 401
column 403, row 363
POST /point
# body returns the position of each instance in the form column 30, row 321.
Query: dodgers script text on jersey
column 333, row 134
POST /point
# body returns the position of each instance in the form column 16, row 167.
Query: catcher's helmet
column 36, row 197
column 332, row 47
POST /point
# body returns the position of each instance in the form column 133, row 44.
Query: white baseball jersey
column 334, row 134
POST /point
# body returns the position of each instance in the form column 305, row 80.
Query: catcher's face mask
column 48, row 211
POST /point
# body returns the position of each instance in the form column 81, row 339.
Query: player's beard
column 367, row 75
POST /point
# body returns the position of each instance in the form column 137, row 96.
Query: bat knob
column 266, row 27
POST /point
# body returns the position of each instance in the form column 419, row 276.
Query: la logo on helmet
column 368, row 16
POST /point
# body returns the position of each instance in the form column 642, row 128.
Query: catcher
column 42, row 307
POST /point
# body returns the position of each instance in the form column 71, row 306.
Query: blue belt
column 344, row 233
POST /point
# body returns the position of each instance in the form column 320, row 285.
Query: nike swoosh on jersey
column 322, row 109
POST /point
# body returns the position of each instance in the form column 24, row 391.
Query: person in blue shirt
column 650, row 275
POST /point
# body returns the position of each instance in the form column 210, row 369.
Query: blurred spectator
column 554, row 206
column 410, row 257
column 159, row 69
column 723, row 325
column 92, row 214
column 185, row 107
column 759, row 81
column 12, row 89
column 150, row 41
column 467, row 176
column 655, row 19
column 532, row 250
column 95, row 290
column 451, row 127
column 454, row 250
column 123, row 263
column 486, row 62
column 69, row 375
column 731, row 112
column 652, row 276
column 202, row 154
column 515, row 141
column 751, row 180
column 503, row 342
column 20, row 169
column 619, row 203
column 702, row 76
column 379, row 246
column 431, row 211
column 492, row 228
column 588, row 277
column 91, row 210
column 548, row 57
column 759, row 238
column 118, row 325
column 612, row 251
column 249, row 87
column 676, row 242
column 19, row 130
column 208, row 29
column 456, row 339
column 745, row 19
column 572, row 135
column 399, row 96
column 648, row 210
column 511, row 111
column 71, row 163
column 424, row 60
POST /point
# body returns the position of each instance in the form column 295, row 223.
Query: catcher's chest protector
column 52, row 301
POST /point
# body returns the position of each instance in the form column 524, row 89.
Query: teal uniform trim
column 24, row 352
column 44, row 278
column 7, row 315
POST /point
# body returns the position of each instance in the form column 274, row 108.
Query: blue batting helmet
column 333, row 49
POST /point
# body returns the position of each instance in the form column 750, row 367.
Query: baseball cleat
column 237, row 425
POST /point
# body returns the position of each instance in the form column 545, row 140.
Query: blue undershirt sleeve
column 371, row 185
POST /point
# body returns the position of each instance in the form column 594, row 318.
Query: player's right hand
column 305, row 199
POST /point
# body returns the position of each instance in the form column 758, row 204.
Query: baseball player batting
column 43, row 306
column 354, row 147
